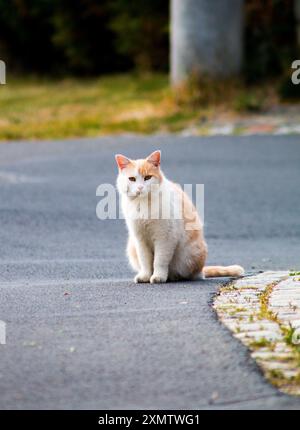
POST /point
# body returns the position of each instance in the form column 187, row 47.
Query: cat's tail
column 220, row 271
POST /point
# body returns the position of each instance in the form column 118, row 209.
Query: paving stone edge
column 263, row 312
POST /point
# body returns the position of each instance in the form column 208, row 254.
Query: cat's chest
column 148, row 230
column 145, row 226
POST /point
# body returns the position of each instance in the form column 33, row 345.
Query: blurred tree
column 83, row 34
column 103, row 36
column 142, row 29
column 297, row 16
column 25, row 35
column 270, row 38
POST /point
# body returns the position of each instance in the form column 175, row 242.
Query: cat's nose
column 140, row 187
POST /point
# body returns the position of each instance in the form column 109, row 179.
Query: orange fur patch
column 148, row 169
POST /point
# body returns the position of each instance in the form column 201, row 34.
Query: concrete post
column 206, row 37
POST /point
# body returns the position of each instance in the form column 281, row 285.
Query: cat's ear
column 154, row 158
column 122, row 161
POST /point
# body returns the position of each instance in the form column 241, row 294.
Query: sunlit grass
column 36, row 108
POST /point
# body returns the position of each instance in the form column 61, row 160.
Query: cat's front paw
column 157, row 278
column 142, row 277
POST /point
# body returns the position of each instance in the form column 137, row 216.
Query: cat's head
column 137, row 178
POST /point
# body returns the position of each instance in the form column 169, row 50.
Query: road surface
column 80, row 334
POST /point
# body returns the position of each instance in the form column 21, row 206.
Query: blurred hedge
column 270, row 38
column 101, row 36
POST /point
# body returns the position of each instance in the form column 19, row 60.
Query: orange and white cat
column 162, row 248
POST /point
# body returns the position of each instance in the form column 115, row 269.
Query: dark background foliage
column 270, row 38
column 88, row 37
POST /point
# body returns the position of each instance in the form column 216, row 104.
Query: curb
column 263, row 312
column 236, row 129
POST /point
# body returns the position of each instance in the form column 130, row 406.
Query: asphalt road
column 80, row 334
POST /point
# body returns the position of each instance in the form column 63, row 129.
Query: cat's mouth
column 137, row 194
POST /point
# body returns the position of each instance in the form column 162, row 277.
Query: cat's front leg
column 163, row 253
column 145, row 257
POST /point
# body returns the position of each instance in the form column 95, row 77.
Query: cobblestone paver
column 263, row 312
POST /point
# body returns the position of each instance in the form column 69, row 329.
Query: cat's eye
column 146, row 178
column 132, row 178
